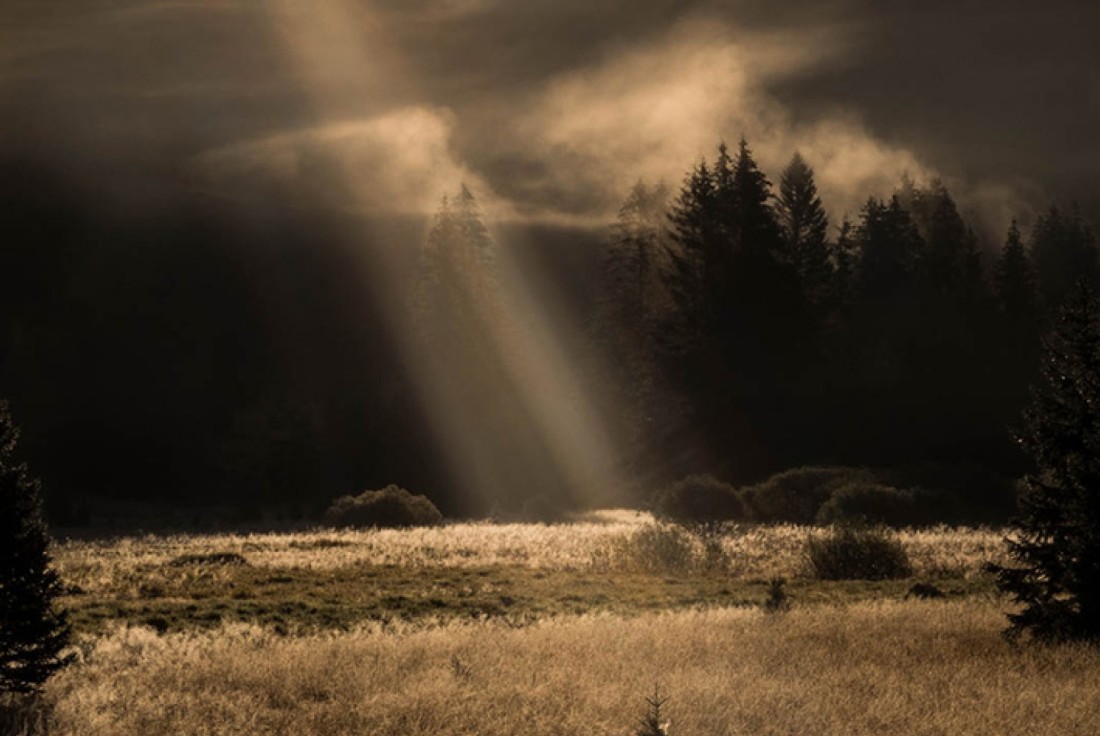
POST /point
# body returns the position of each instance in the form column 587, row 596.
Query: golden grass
column 124, row 565
column 905, row 668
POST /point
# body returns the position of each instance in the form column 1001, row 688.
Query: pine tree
column 1063, row 250
column 1056, row 539
column 694, row 237
column 805, row 227
column 756, row 229
column 33, row 632
column 844, row 263
column 889, row 251
column 1014, row 281
column 624, row 320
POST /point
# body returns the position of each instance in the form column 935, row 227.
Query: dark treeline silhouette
column 246, row 356
column 190, row 356
column 893, row 339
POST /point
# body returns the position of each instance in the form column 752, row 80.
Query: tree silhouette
column 805, row 229
column 692, row 257
column 627, row 312
column 33, row 632
column 1014, row 281
column 1056, row 539
column 1063, row 250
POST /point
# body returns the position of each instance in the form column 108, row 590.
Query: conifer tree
column 1014, row 281
column 1063, row 250
column 889, row 251
column 844, row 263
column 1056, row 539
column 623, row 324
column 756, row 228
column 33, row 632
column 805, row 227
column 693, row 231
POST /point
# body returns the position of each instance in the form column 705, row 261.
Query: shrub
column 960, row 493
column 795, row 496
column 390, row 507
column 851, row 553
column 668, row 548
column 699, row 499
column 871, row 503
column 778, row 600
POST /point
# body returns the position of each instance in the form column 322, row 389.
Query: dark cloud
column 553, row 107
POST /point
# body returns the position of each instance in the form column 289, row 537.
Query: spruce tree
column 33, row 632
column 1055, row 544
column 1014, row 282
column 694, row 241
column 805, row 227
column 1063, row 250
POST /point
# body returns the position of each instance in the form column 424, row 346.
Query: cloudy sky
column 549, row 109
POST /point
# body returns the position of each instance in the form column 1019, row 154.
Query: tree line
column 750, row 334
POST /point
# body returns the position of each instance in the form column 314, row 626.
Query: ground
column 545, row 629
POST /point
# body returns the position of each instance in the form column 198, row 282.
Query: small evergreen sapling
column 33, row 632
column 653, row 723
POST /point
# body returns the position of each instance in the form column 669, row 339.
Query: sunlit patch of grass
column 341, row 598
column 611, row 561
column 881, row 668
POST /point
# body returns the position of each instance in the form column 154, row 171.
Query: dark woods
column 753, row 335
column 189, row 357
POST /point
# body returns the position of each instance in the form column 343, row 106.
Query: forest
column 726, row 326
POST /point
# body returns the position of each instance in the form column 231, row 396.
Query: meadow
column 482, row 628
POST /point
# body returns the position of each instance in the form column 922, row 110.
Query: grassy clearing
column 882, row 668
column 290, row 599
column 545, row 629
column 336, row 579
column 592, row 543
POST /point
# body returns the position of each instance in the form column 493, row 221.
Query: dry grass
column 873, row 668
column 124, row 565
column 481, row 628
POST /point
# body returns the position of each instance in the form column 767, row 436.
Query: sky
column 549, row 109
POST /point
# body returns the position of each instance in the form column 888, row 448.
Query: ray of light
column 521, row 426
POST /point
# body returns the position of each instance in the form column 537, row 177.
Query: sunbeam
column 500, row 388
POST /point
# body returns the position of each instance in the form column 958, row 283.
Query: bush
column 390, row 507
column 871, row 503
column 699, row 499
column 669, row 548
column 850, row 553
column 795, row 496
column 960, row 493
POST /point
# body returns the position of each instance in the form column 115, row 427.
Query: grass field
column 545, row 629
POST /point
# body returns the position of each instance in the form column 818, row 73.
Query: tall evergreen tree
column 33, row 632
column 889, row 251
column 1056, row 539
column 943, row 262
column 693, row 249
column 845, row 263
column 805, row 229
column 626, row 315
column 1063, row 250
column 755, row 229
column 1014, row 282
column 634, row 255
